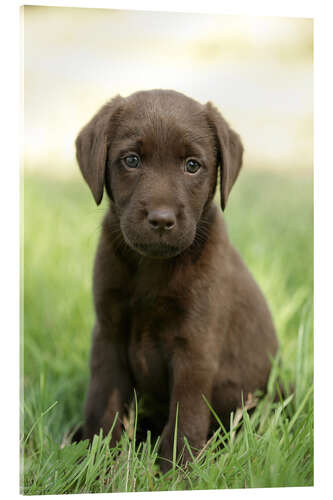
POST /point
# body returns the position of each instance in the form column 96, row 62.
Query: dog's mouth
column 152, row 245
column 159, row 250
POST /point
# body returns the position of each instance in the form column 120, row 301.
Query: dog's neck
column 147, row 280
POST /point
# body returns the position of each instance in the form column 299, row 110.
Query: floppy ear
column 230, row 151
column 92, row 145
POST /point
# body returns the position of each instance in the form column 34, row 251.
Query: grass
column 270, row 221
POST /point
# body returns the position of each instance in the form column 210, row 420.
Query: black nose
column 162, row 219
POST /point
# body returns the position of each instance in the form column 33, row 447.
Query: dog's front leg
column 110, row 387
column 192, row 378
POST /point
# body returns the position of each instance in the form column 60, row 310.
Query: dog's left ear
column 230, row 151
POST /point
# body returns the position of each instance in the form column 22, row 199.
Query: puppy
column 178, row 315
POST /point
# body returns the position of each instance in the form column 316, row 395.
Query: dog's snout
column 163, row 219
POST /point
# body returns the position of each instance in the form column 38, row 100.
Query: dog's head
column 157, row 154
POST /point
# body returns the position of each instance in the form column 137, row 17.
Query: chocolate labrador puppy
column 178, row 315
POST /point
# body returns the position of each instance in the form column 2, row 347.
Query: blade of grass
column 300, row 408
column 174, row 451
column 39, row 419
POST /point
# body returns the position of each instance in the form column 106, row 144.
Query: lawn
column 270, row 221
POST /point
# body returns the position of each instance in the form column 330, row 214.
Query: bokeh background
column 257, row 70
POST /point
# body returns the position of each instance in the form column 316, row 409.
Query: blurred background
column 257, row 70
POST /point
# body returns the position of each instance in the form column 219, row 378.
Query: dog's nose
column 162, row 219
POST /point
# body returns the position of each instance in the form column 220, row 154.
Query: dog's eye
column 192, row 166
column 132, row 161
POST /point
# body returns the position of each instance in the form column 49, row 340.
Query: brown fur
column 178, row 314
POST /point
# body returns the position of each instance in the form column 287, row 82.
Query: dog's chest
column 154, row 325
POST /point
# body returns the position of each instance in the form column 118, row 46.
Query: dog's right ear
column 92, row 145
